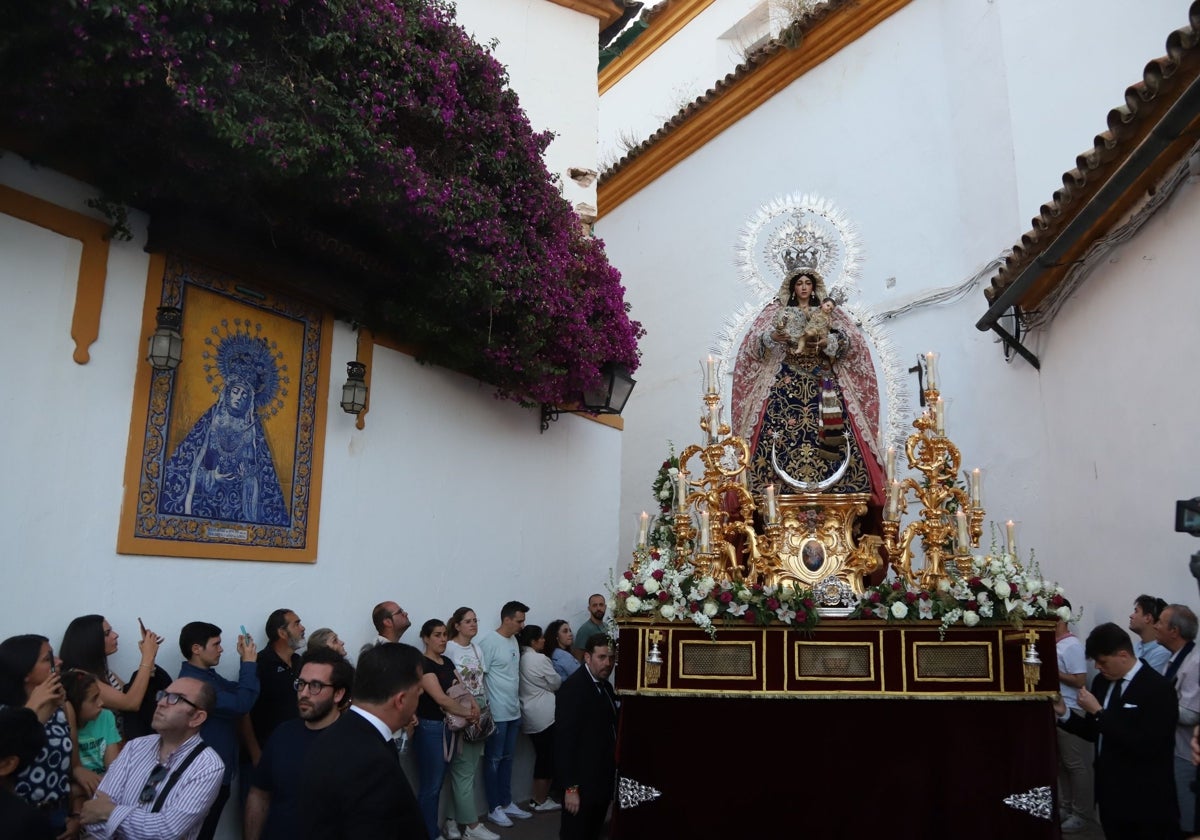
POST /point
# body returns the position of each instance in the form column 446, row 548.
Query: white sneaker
column 452, row 832
column 498, row 816
column 548, row 805
column 515, row 810
column 480, row 832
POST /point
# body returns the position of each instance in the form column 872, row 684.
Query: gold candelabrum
column 716, row 528
column 951, row 519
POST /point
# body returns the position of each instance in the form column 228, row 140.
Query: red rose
column 664, row 596
column 801, row 616
column 725, row 597
column 1013, row 589
column 628, row 574
column 757, row 587
column 897, row 586
column 924, row 596
column 654, row 554
column 750, row 617
column 972, row 605
column 974, row 582
column 1056, row 601
column 657, row 574
column 910, row 596
column 666, row 465
column 772, row 604
column 808, row 603
column 694, row 606
column 639, row 591
column 874, row 598
column 622, row 594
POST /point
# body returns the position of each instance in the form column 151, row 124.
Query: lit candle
column 931, row 371
column 894, row 489
column 1012, row 537
column 976, row 480
column 710, row 376
column 643, row 529
column 705, row 533
column 891, row 463
column 939, row 415
column 964, row 537
column 771, row 513
column 681, row 491
column 714, row 422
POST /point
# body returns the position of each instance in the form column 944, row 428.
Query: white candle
column 976, row 480
column 771, row 513
column 705, row 533
column 939, row 414
column 714, row 422
column 891, row 464
column 931, row 371
column 643, row 529
column 681, row 491
column 1012, row 536
column 964, row 536
column 710, row 376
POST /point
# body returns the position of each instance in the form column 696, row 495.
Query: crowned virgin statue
column 805, row 391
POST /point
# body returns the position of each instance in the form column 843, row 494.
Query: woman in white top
column 539, row 681
column 462, row 628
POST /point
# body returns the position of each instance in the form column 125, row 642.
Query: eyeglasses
column 173, row 698
column 156, row 775
column 313, row 686
column 397, row 612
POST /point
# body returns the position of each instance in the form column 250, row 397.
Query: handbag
column 482, row 729
column 460, row 694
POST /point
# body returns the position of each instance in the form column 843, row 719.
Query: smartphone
column 245, row 635
column 142, row 626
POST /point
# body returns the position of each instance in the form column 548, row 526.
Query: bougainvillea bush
column 379, row 125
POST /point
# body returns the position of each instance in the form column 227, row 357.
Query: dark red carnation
column 749, row 617
column 657, row 574
column 801, row 616
column 664, row 596
column 974, row 582
column 725, row 597
column 910, row 596
column 628, row 574
column 808, row 603
column 1056, row 601
column 897, row 586
column 639, row 591
column 772, row 604
column 654, row 553
column 694, row 606
column 972, row 605
column 873, row 598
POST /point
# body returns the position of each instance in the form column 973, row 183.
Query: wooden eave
column 1147, row 137
column 666, row 22
column 606, row 11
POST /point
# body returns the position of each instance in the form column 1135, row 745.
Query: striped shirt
column 186, row 805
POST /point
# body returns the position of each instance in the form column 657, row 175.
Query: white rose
column 1000, row 586
column 900, row 609
column 970, row 618
column 944, row 585
column 651, row 586
column 624, row 585
column 633, row 603
column 1058, row 590
column 667, row 611
column 1033, row 585
column 710, row 608
column 1064, row 613
column 983, row 598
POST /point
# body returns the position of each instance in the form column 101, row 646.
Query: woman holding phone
column 88, row 643
column 29, row 676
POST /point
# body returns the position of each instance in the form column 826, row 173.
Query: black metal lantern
column 608, row 397
column 165, row 347
column 354, row 392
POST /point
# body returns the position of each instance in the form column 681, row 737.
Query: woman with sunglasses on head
column 433, row 741
column 29, row 676
column 88, row 643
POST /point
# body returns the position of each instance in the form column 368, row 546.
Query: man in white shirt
column 1176, row 630
column 1075, row 755
column 1146, row 610
column 161, row 785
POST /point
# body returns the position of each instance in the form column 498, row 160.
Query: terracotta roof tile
column 1163, row 80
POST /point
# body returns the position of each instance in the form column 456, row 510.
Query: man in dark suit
column 352, row 786
column 1130, row 715
column 585, row 742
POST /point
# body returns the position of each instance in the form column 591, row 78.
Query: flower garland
column 662, row 534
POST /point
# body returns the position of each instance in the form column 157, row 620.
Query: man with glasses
column 273, row 806
column 390, row 622
column 161, row 785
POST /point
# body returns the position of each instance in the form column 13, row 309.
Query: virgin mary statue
column 805, row 394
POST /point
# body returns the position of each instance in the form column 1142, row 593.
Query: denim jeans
column 431, row 770
column 498, row 764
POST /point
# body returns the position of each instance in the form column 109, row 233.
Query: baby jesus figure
column 817, row 328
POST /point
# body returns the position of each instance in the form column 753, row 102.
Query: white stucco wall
column 940, row 132
column 447, row 497
column 550, row 52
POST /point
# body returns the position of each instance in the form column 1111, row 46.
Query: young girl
column 98, row 739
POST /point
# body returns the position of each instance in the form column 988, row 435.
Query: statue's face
column 238, row 394
column 802, row 288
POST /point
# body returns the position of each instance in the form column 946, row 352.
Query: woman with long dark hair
column 29, row 676
column 539, row 681
column 558, row 647
column 88, row 643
